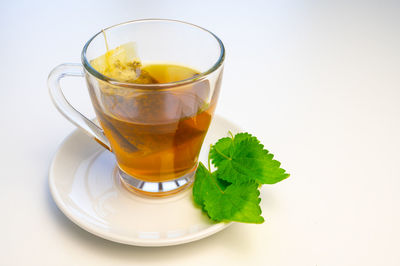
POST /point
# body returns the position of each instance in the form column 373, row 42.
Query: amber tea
column 157, row 135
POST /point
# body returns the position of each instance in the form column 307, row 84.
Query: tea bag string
column 105, row 39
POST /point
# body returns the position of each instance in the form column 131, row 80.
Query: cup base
column 157, row 189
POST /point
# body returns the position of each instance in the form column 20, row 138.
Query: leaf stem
column 230, row 133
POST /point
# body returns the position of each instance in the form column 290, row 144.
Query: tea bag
column 123, row 64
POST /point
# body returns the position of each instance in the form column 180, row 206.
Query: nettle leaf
column 200, row 187
column 231, row 192
column 238, row 203
column 243, row 159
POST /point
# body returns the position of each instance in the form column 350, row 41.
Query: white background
column 317, row 81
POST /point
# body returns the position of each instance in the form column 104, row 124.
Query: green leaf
column 200, row 189
column 231, row 192
column 243, row 159
column 226, row 202
column 239, row 203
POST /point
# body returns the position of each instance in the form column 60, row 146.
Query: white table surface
column 317, row 82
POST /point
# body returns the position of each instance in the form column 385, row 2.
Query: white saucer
column 85, row 187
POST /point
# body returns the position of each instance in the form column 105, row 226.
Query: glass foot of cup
column 157, row 189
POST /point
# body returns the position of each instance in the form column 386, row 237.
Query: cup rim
column 112, row 81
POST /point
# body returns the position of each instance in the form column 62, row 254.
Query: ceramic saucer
column 85, row 186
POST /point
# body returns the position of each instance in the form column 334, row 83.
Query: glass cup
column 154, row 130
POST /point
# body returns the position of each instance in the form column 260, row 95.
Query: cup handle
column 66, row 109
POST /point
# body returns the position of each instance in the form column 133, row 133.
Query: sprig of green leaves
column 231, row 192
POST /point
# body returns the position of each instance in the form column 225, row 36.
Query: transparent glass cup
column 154, row 130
